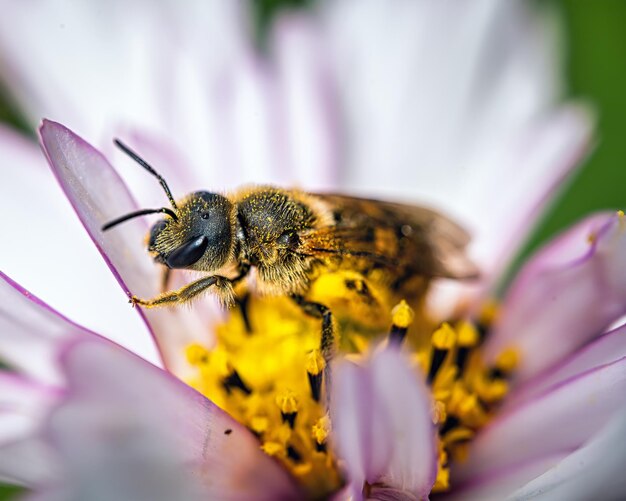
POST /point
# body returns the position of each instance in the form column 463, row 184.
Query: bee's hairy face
column 202, row 237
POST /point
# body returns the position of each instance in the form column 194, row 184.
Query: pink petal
column 98, row 195
column 401, row 390
column 557, row 421
column 497, row 485
column 23, row 404
column 32, row 333
column 603, row 350
column 358, row 423
column 27, row 462
column 389, row 406
column 557, row 303
column 124, row 436
column 595, row 471
column 389, row 494
column 68, row 275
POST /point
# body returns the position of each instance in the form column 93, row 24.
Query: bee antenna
column 148, row 167
column 142, row 212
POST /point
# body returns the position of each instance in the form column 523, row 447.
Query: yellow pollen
column 272, row 448
column 402, row 315
column 321, row 430
column 468, row 335
column 444, row 338
column 439, row 412
column 508, row 360
column 272, row 378
column 489, row 313
column 315, row 363
column 620, row 213
column 442, row 482
column 287, row 402
column 196, row 354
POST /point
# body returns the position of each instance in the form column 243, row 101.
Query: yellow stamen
column 271, row 379
column 508, row 360
column 321, row 430
column 468, row 335
column 444, row 338
column 402, row 315
column 196, row 354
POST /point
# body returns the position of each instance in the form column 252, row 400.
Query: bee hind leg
column 223, row 287
column 328, row 338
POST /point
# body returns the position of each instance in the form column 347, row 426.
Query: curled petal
column 559, row 420
column 603, row 350
column 497, row 484
column 566, row 295
column 98, row 196
column 392, row 437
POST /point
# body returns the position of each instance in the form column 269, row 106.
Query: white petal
column 401, row 390
column 559, row 420
column 497, row 484
column 603, row 350
column 359, row 421
column 155, row 437
column 595, row 471
column 445, row 103
column 382, row 424
column 99, row 195
column 32, row 333
column 309, row 128
column 559, row 302
column 23, row 404
column 48, row 252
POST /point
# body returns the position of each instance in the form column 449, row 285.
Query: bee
column 290, row 238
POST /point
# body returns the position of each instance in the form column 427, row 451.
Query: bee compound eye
column 188, row 253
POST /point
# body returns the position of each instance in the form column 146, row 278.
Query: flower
column 328, row 74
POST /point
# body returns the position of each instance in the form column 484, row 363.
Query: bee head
column 200, row 238
column 198, row 235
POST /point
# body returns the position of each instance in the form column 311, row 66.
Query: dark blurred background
column 595, row 36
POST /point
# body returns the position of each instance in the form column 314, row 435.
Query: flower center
column 266, row 370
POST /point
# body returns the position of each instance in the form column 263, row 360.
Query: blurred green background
column 595, row 34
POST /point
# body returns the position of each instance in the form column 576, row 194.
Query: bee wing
column 414, row 239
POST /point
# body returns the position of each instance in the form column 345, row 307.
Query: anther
column 320, row 431
column 233, row 380
column 196, row 354
column 315, row 365
column 468, row 339
column 401, row 318
column 443, row 340
column 288, row 405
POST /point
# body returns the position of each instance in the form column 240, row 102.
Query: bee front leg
column 223, row 288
